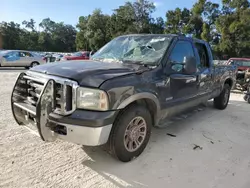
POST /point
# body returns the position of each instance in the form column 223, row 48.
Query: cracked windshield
column 141, row 49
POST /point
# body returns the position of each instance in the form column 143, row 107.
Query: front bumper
column 83, row 127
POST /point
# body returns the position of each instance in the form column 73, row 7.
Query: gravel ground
column 220, row 160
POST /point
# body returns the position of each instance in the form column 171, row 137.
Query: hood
column 86, row 73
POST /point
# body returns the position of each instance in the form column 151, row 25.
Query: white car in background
column 20, row 58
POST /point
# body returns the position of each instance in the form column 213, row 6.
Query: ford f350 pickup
column 133, row 83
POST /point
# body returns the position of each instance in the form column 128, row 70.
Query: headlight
column 92, row 99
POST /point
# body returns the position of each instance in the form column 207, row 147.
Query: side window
column 22, row 54
column 202, row 51
column 13, row 54
column 27, row 54
column 181, row 51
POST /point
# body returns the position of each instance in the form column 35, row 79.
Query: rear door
column 205, row 69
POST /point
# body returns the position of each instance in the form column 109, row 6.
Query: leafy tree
column 82, row 42
column 97, row 32
column 123, row 20
column 157, row 26
column 234, row 28
column 143, row 11
column 177, row 21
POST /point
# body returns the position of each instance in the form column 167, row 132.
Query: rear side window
column 25, row 54
column 203, row 55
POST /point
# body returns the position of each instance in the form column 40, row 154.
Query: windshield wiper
column 138, row 63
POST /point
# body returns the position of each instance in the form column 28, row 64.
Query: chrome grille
column 64, row 96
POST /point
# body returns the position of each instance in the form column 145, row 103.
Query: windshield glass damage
column 144, row 49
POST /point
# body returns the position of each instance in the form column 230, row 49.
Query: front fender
column 144, row 95
column 139, row 96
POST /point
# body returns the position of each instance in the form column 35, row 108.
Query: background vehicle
column 243, row 64
column 58, row 57
column 83, row 55
column 243, row 71
column 131, row 84
column 19, row 58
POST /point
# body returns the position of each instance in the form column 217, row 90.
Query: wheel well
column 150, row 105
column 35, row 62
column 229, row 82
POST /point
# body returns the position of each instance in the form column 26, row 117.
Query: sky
column 68, row 11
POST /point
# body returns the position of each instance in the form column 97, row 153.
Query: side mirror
column 190, row 65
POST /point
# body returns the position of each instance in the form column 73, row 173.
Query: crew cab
column 133, row 83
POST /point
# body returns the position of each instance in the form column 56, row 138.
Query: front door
column 181, row 88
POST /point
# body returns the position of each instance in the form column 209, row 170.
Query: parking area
column 11, row 69
column 205, row 148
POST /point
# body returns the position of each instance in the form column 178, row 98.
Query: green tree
column 143, row 18
column 234, row 28
column 82, row 42
column 177, row 21
column 97, row 33
column 123, row 20
column 11, row 35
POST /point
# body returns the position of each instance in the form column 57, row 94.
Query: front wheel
column 33, row 64
column 221, row 101
column 130, row 134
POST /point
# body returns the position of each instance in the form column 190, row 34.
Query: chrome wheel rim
column 135, row 134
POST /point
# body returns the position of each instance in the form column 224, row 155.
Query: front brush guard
column 25, row 113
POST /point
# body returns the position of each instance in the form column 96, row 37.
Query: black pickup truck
column 133, row 83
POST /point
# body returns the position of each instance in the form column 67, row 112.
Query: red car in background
column 243, row 64
column 82, row 55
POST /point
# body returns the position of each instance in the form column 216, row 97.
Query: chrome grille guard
column 36, row 95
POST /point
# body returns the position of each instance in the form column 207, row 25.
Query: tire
column 33, row 64
column 221, row 101
column 120, row 144
column 248, row 100
column 245, row 98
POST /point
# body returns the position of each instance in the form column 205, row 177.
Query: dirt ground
column 220, row 159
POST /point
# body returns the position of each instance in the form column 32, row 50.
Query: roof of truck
column 180, row 36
